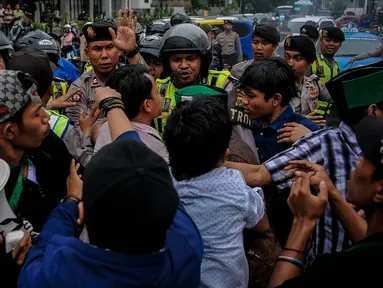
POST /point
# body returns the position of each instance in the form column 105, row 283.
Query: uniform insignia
column 95, row 81
column 324, row 33
column 304, row 31
column 315, row 105
column 288, row 42
column 314, row 91
column 91, row 32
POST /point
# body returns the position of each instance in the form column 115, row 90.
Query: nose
column 45, row 117
column 104, row 54
column 184, row 64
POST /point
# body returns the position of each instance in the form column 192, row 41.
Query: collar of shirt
column 279, row 122
column 146, row 128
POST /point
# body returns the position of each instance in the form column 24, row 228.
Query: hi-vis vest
column 323, row 71
column 60, row 88
column 59, row 123
column 88, row 67
column 166, row 89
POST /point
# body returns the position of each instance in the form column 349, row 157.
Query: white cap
column 4, row 173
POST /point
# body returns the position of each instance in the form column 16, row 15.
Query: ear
column 9, row 130
column 372, row 109
column 275, row 46
column 146, row 106
column 86, row 50
column 226, row 154
column 276, row 100
column 378, row 186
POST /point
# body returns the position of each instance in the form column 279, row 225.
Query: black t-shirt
column 359, row 266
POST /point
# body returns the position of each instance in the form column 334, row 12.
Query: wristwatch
column 132, row 53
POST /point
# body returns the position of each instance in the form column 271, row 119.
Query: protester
column 218, row 199
column 8, row 17
column 325, row 65
column 336, row 149
column 6, row 51
column 17, row 11
column 231, row 45
column 180, row 18
column 139, row 93
column 166, row 255
column 355, row 266
column 24, row 26
column 312, row 94
column 39, row 159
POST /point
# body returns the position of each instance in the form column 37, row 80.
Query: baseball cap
column 128, row 186
column 369, row 134
column 16, row 90
column 36, row 63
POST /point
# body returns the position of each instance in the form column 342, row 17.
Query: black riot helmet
column 41, row 41
column 6, row 48
column 150, row 45
column 185, row 38
column 157, row 27
column 139, row 32
column 180, row 18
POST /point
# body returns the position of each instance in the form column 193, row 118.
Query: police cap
column 302, row 45
column 334, row 33
column 98, row 31
column 267, row 32
column 310, row 31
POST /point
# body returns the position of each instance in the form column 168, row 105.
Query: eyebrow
column 38, row 108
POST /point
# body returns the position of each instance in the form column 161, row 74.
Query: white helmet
column 67, row 26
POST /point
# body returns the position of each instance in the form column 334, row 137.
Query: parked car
column 321, row 22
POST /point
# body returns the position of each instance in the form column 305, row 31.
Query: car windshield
column 353, row 47
column 296, row 26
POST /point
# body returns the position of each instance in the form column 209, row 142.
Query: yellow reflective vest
column 323, row 71
column 166, row 89
column 59, row 123
column 88, row 67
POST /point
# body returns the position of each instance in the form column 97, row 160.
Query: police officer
column 42, row 41
column 180, row 18
column 311, row 32
column 104, row 48
column 312, row 94
column 157, row 27
column 325, row 65
column 230, row 43
column 6, row 50
column 150, row 51
column 139, row 32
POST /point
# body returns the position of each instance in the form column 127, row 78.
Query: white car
column 321, row 22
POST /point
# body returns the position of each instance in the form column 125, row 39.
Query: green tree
column 337, row 7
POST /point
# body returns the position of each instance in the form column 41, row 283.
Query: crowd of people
column 158, row 167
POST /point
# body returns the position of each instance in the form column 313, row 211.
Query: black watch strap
column 132, row 53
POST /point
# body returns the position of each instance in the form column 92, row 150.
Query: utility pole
column 161, row 9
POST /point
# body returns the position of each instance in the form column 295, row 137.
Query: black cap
column 98, row 31
column 369, row 134
column 180, row 18
column 128, row 185
column 310, row 31
column 303, row 45
column 268, row 32
column 36, row 63
column 29, row 8
column 334, row 33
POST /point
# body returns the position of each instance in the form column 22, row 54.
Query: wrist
column 132, row 53
column 305, row 225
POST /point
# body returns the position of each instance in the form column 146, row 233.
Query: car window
column 353, row 47
column 325, row 24
column 296, row 26
column 242, row 29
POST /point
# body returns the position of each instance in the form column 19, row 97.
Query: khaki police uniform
column 86, row 84
column 230, row 41
column 309, row 93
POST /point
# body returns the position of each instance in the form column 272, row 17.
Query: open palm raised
column 125, row 38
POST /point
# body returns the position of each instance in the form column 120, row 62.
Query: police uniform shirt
column 86, row 84
column 229, row 42
column 309, row 93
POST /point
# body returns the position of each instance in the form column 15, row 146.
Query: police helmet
column 150, row 45
column 186, row 38
column 6, row 48
column 41, row 41
column 139, row 32
column 179, row 18
column 157, row 27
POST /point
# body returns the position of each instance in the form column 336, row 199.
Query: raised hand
column 125, row 38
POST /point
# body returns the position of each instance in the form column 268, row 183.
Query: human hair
column 353, row 116
column 270, row 76
column 197, row 134
column 18, row 117
column 132, row 82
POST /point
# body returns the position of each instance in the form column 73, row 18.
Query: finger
column 20, row 246
column 23, row 254
column 318, row 117
column 323, row 192
column 285, row 129
column 301, row 163
column 313, row 113
column 70, row 94
column 119, row 23
column 297, row 187
column 291, row 124
column 82, row 116
column 112, row 33
column 73, row 167
column 92, row 111
column 78, row 165
column 80, row 219
column 126, row 18
column 130, row 19
column 97, row 114
column 320, row 122
column 285, row 140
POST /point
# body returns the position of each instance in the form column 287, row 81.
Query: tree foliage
column 337, row 7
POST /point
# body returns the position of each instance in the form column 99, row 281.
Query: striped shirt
column 337, row 150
